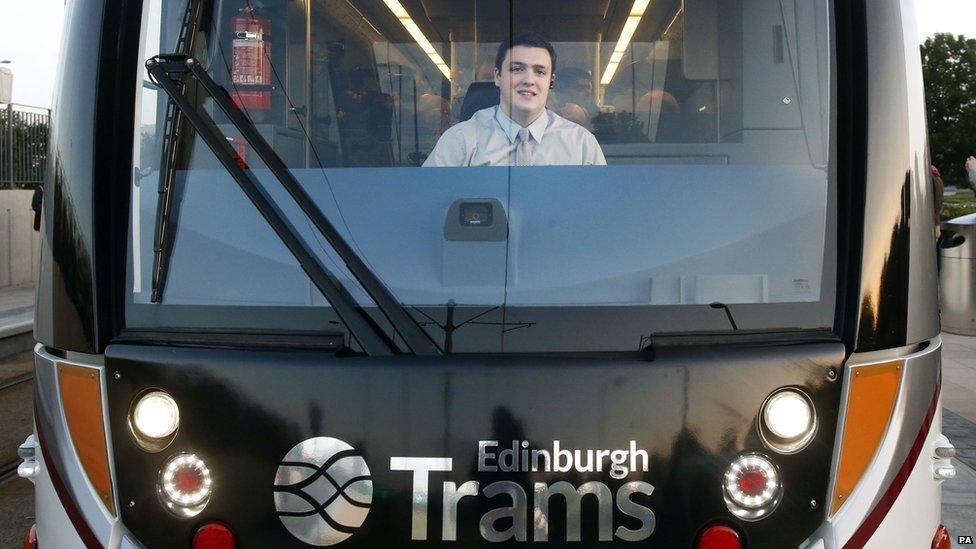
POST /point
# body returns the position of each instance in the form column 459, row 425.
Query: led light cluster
column 185, row 483
column 752, row 486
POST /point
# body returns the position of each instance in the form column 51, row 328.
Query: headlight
column 185, row 484
column 788, row 421
column 154, row 420
column 752, row 487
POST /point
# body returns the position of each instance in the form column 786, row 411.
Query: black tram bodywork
column 682, row 405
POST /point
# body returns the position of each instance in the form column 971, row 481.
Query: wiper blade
column 167, row 205
column 163, row 68
column 166, row 211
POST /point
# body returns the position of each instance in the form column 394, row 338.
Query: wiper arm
column 163, row 68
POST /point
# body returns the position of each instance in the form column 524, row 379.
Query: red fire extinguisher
column 251, row 64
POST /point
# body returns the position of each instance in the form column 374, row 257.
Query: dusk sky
column 30, row 37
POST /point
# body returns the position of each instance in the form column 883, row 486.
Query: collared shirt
column 490, row 138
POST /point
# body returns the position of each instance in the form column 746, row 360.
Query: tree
column 949, row 69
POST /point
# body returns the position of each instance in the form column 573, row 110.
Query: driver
column 520, row 131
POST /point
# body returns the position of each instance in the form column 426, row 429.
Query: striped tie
column 523, row 152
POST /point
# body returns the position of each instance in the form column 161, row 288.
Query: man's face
column 524, row 82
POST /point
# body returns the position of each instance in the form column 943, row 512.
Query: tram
column 467, row 273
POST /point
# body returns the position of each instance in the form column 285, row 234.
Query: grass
column 957, row 205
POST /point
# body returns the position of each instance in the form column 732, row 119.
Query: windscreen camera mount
column 476, row 220
column 476, row 214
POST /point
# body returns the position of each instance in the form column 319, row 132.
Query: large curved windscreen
column 524, row 175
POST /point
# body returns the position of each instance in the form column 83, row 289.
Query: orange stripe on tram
column 81, row 395
column 870, row 402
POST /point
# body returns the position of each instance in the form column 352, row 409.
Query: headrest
column 480, row 95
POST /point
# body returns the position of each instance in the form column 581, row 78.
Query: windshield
column 524, row 176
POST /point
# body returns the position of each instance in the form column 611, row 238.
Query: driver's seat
column 481, row 95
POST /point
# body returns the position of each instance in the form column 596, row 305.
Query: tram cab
column 383, row 273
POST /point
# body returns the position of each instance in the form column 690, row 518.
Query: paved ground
column 959, row 503
column 16, row 510
column 16, row 306
column 959, row 424
column 16, row 494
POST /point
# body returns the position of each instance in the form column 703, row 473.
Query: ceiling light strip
column 630, row 27
column 418, row 36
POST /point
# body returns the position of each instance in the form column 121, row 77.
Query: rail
column 9, row 461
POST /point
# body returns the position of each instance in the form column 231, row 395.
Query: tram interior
column 713, row 116
column 374, row 83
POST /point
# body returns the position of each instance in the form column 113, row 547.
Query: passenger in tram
column 648, row 117
column 365, row 117
column 434, row 111
column 520, row 130
column 485, row 72
column 575, row 95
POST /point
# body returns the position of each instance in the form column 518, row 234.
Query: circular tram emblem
column 323, row 491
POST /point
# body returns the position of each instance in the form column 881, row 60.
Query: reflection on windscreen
column 667, row 154
column 380, row 83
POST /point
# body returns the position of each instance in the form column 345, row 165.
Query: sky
column 30, row 37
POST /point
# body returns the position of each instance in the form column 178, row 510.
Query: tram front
column 379, row 273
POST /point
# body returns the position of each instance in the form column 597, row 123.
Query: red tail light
column 718, row 536
column 214, row 536
column 941, row 539
column 30, row 537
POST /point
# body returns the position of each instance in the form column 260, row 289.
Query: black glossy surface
column 895, row 156
column 884, row 317
column 117, row 84
column 851, row 145
column 693, row 410
column 68, row 201
column 88, row 175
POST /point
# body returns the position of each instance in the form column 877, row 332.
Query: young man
column 519, row 131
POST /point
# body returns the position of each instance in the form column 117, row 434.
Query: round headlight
column 156, row 415
column 752, row 487
column 184, row 484
column 788, row 421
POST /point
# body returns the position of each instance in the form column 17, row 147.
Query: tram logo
column 323, row 491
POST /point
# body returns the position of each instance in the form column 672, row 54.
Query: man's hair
column 529, row 39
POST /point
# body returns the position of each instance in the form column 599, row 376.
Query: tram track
column 24, row 378
column 9, row 470
column 14, row 396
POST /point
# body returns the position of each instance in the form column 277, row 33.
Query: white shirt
column 490, row 138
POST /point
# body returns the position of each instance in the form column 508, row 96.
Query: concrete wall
column 19, row 243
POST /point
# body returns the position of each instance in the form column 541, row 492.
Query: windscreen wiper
column 168, row 71
column 167, row 207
